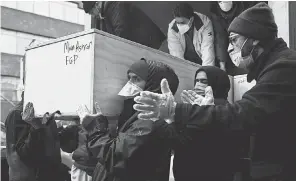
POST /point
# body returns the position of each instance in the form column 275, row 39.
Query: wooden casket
column 88, row 67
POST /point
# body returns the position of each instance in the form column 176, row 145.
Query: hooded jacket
column 267, row 109
column 138, row 152
column 221, row 21
column 203, row 39
column 213, row 153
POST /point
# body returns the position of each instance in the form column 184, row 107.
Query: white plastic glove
column 155, row 106
column 200, row 100
column 84, row 113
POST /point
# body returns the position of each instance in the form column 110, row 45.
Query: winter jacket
column 127, row 21
column 138, row 152
column 214, row 153
column 203, row 39
column 221, row 22
column 38, row 149
column 75, row 139
column 267, row 109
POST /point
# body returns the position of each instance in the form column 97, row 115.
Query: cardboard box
column 88, row 67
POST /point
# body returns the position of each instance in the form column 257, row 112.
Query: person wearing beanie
column 266, row 111
column 190, row 36
column 222, row 14
column 123, row 19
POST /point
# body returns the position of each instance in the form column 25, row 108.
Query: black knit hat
column 88, row 5
column 256, row 22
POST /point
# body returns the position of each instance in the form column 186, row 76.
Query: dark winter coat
column 140, row 150
column 127, row 21
column 209, row 154
column 267, row 109
column 221, row 21
column 38, row 149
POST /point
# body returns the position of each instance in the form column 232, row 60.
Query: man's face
column 135, row 79
column 181, row 20
column 236, row 42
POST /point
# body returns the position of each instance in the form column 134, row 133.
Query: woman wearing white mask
column 222, row 14
column 138, row 152
column 190, row 36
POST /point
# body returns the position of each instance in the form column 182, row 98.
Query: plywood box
column 88, row 67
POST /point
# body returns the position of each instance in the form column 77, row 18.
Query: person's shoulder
column 204, row 18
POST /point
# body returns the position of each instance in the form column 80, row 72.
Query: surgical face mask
column 225, row 5
column 240, row 61
column 130, row 90
column 183, row 28
column 200, row 88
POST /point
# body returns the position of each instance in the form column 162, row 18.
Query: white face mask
column 240, row 61
column 130, row 90
column 183, row 28
column 200, row 88
column 225, row 5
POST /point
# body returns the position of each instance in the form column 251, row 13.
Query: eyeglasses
column 203, row 81
column 233, row 39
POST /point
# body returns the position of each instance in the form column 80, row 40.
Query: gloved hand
column 207, row 100
column 193, row 98
column 90, row 121
column 29, row 117
column 155, row 106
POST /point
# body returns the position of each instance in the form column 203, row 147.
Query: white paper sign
column 59, row 76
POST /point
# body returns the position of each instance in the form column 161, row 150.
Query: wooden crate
column 88, row 67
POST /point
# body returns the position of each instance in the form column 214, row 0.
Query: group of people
column 191, row 35
column 210, row 138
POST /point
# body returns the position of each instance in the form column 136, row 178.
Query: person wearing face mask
column 214, row 153
column 222, row 14
column 125, row 20
column 137, row 152
column 267, row 110
column 191, row 36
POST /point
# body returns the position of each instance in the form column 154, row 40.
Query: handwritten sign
column 59, row 76
column 240, row 86
column 72, row 51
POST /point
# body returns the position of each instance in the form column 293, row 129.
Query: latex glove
column 153, row 106
column 29, row 117
column 202, row 101
column 188, row 96
column 87, row 119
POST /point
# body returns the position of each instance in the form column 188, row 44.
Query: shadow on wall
column 161, row 13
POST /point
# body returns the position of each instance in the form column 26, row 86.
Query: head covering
column 88, row 5
column 256, row 22
column 152, row 72
column 217, row 79
column 237, row 8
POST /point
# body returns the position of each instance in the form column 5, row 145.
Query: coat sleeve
column 174, row 44
column 69, row 138
column 207, row 44
column 272, row 98
column 118, row 15
column 129, row 143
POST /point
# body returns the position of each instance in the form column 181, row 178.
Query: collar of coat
column 270, row 54
column 197, row 23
